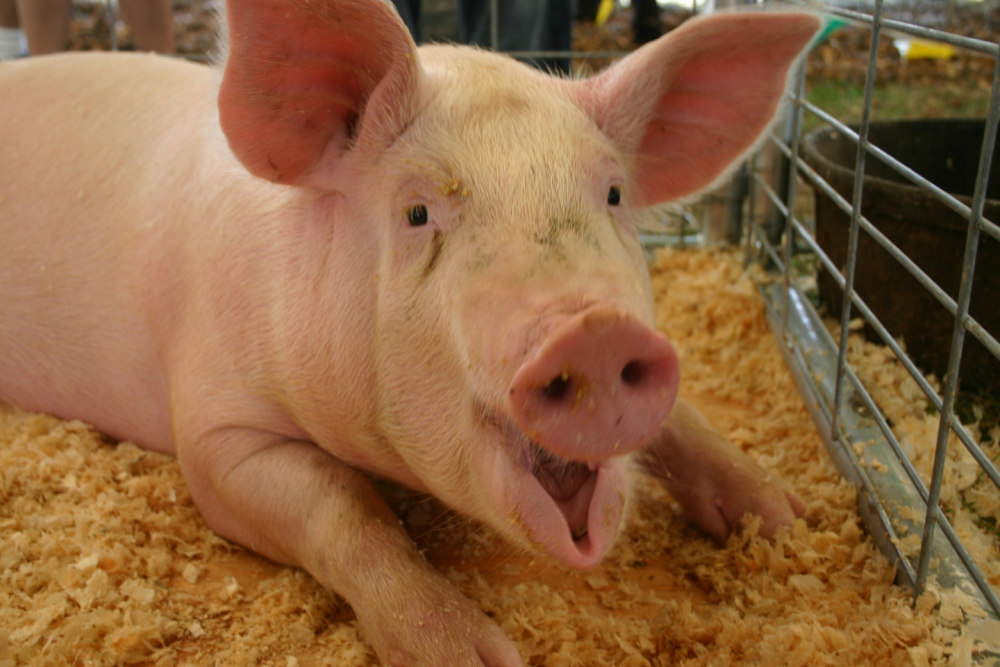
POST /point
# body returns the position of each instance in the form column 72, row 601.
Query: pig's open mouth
column 570, row 484
column 570, row 509
column 563, row 480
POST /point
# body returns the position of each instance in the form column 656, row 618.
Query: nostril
column 634, row 373
column 557, row 388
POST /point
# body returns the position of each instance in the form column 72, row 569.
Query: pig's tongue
column 561, row 478
column 566, row 482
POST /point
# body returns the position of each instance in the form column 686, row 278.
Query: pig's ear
column 305, row 81
column 688, row 105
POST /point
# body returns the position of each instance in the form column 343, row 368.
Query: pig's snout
column 600, row 385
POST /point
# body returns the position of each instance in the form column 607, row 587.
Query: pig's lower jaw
column 569, row 509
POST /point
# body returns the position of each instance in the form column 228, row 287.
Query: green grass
column 893, row 101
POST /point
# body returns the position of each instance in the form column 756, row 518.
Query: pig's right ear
column 685, row 107
column 306, row 81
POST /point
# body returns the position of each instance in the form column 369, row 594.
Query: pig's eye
column 614, row 195
column 417, row 216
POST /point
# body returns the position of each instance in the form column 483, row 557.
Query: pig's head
column 515, row 360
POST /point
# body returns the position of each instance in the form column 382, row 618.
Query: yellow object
column 604, row 11
column 920, row 49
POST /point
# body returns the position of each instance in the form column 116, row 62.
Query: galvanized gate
column 843, row 409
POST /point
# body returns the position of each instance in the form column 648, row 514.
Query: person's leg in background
column 152, row 23
column 646, row 21
column 46, row 24
column 11, row 35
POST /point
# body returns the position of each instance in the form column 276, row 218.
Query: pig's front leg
column 713, row 480
column 296, row 504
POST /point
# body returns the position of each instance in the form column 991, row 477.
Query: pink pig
column 352, row 256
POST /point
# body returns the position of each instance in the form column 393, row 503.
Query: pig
column 338, row 256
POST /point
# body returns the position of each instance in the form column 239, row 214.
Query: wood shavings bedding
column 105, row 561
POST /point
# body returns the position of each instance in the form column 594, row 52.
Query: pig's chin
column 569, row 509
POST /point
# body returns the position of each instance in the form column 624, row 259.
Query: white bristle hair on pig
column 336, row 256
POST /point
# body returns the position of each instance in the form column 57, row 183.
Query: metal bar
column 970, row 43
column 958, row 334
column 977, row 330
column 768, row 247
column 947, row 198
column 771, row 251
column 991, row 229
column 886, row 430
column 793, row 178
column 494, row 25
column 963, row 554
column 977, row 452
column 772, row 195
column 778, row 203
column 852, row 240
column 752, row 203
column 112, row 21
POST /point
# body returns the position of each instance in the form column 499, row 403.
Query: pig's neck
column 290, row 305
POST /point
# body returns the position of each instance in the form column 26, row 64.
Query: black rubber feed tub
column 945, row 152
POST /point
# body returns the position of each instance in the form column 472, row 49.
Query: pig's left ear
column 306, row 81
column 688, row 105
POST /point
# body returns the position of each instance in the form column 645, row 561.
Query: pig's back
column 96, row 152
